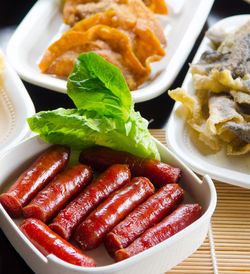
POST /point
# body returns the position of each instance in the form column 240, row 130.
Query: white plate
column 44, row 24
column 155, row 260
column 15, row 107
column 230, row 169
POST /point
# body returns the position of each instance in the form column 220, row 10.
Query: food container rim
column 19, row 103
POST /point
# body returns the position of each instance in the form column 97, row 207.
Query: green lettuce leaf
column 104, row 115
column 95, row 84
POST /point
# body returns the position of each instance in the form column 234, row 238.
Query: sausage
column 32, row 180
column 144, row 216
column 91, row 232
column 58, row 192
column 183, row 216
column 157, row 172
column 74, row 213
column 48, row 242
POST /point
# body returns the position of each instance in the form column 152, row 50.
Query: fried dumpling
column 110, row 43
column 75, row 10
column 138, row 36
column 157, row 6
column 132, row 11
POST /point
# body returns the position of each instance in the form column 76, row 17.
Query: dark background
column 156, row 110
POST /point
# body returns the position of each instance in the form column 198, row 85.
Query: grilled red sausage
column 75, row 212
column 183, row 216
column 48, row 242
column 91, row 232
column 58, row 192
column 144, row 216
column 32, row 180
column 158, row 172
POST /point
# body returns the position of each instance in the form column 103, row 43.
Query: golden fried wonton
column 146, row 52
column 124, row 32
column 75, row 10
column 110, row 43
column 129, row 11
column 157, row 6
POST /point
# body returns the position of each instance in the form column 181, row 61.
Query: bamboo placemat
column 227, row 247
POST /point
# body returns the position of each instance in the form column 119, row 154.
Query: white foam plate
column 43, row 25
column 229, row 169
column 15, row 107
column 157, row 259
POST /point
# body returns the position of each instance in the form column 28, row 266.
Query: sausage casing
column 91, row 232
column 183, row 216
column 157, row 172
column 32, row 180
column 58, row 192
column 74, row 213
column 144, row 216
column 48, row 242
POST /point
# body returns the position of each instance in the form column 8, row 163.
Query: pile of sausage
column 132, row 205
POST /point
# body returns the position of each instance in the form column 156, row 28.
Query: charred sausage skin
column 183, row 216
column 48, row 242
column 91, row 232
column 75, row 212
column 58, row 192
column 144, row 216
column 157, row 172
column 32, row 180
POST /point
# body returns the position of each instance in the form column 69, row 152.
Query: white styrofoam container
column 157, row 259
column 44, row 24
column 15, row 107
column 229, row 169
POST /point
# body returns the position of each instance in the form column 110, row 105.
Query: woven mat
column 227, row 246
